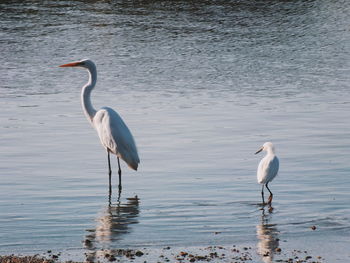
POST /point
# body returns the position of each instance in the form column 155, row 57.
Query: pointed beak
column 73, row 64
column 259, row 150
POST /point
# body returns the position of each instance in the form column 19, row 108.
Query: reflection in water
column 268, row 238
column 114, row 222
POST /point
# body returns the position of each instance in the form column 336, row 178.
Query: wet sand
column 234, row 254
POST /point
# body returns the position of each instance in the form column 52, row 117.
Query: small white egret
column 114, row 135
column 267, row 169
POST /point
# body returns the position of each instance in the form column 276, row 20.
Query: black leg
column 119, row 193
column 109, row 173
column 110, row 198
column 271, row 195
column 120, row 175
column 262, row 194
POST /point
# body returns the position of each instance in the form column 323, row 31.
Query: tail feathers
column 133, row 165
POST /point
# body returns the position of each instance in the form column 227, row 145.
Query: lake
column 201, row 85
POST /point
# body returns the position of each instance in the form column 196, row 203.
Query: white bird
column 267, row 169
column 114, row 135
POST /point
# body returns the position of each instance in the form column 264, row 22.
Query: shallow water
column 202, row 86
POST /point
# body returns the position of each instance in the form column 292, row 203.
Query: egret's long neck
column 86, row 92
column 270, row 151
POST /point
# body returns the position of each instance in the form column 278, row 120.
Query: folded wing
column 116, row 136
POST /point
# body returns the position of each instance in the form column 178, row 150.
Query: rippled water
column 201, row 85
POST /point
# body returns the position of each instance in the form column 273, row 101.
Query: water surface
column 202, row 85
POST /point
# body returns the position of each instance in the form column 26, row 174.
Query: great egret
column 114, row 135
column 267, row 169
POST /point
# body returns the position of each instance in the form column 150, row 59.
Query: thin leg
column 109, row 173
column 118, row 199
column 271, row 195
column 110, row 198
column 120, row 175
column 262, row 194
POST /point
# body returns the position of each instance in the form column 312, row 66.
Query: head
column 268, row 147
column 85, row 63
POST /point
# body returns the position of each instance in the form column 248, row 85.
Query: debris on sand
column 25, row 259
column 217, row 254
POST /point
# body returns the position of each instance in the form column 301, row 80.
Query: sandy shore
column 24, row 259
column 233, row 254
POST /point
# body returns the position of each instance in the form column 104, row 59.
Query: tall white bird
column 267, row 169
column 114, row 135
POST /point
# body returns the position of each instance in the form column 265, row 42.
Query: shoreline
column 234, row 254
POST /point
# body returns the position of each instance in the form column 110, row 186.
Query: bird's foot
column 270, row 200
column 263, row 204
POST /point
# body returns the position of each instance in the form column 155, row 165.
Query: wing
column 268, row 169
column 116, row 136
column 272, row 169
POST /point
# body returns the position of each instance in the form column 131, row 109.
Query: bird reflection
column 114, row 222
column 268, row 238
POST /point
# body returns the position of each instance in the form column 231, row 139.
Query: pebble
column 139, row 253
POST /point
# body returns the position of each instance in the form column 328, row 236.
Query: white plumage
column 268, row 168
column 114, row 135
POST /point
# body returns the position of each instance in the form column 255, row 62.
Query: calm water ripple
column 202, row 85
